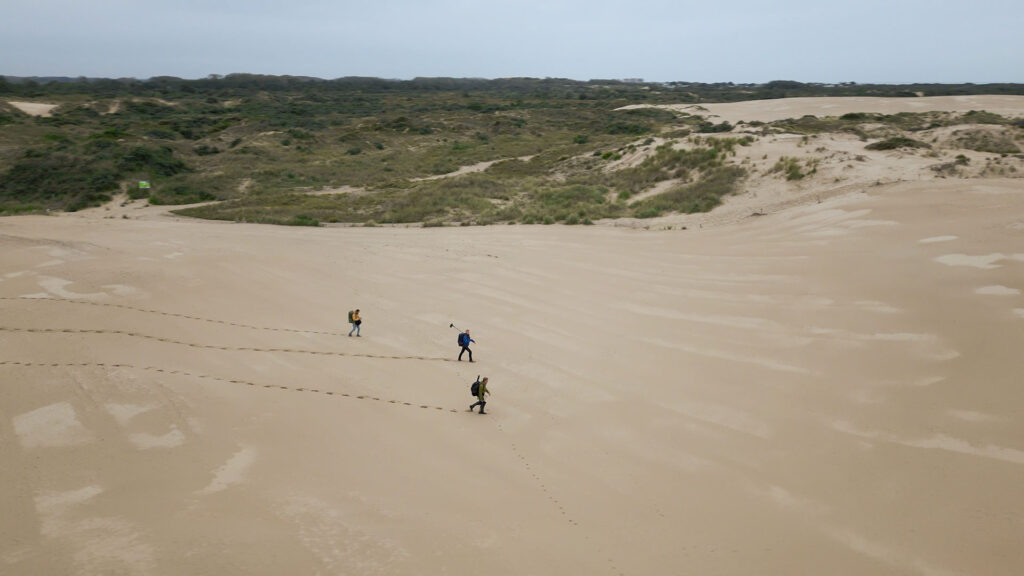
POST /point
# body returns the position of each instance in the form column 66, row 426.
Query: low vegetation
column 255, row 148
column 896, row 143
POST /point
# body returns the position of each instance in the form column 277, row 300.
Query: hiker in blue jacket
column 464, row 341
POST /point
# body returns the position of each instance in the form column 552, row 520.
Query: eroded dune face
column 830, row 388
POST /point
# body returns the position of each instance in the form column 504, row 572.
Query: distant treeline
column 240, row 85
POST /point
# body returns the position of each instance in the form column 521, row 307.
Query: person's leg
column 470, row 353
column 474, row 405
column 358, row 326
column 482, row 404
column 463, row 350
column 353, row 329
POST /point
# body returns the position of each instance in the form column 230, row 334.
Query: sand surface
column 34, row 108
column 831, row 388
column 782, row 108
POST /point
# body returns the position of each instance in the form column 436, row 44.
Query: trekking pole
column 452, row 325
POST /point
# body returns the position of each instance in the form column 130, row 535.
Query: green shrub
column 789, row 167
column 182, row 193
column 302, row 220
column 708, row 127
column 157, row 161
column 896, row 142
column 58, row 180
column 161, row 134
column 205, row 150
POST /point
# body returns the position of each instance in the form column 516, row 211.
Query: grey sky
column 886, row 41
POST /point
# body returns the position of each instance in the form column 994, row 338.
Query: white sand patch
column 997, row 291
column 927, row 381
column 121, row 289
column 15, row 274
column 747, row 323
column 50, row 264
column 724, row 416
column 732, row 357
column 885, row 554
column 51, row 426
column 987, row 261
column 971, row 416
column 232, row 472
column 478, row 167
column 877, row 336
column 876, row 306
column 145, row 441
column 785, row 499
column 51, row 503
column 174, row 255
column 936, row 239
column 34, row 108
column 944, row 355
column 124, row 413
column 870, row 223
column 56, row 286
column 937, row 442
column 341, row 547
column 108, row 545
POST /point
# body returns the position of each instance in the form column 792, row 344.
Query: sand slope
column 782, row 108
column 830, row 389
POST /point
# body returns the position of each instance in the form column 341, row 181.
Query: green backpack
column 350, row 313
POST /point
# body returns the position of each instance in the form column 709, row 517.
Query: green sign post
column 143, row 185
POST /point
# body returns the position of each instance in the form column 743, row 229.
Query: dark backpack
column 463, row 339
column 474, row 388
column 350, row 312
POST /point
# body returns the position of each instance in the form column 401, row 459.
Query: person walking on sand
column 481, row 393
column 355, row 321
column 464, row 341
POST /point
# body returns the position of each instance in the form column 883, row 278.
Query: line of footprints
column 214, row 378
column 172, row 314
column 515, row 449
column 212, row 347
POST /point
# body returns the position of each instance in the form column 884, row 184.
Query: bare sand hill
column 831, row 388
column 782, row 108
column 34, row 108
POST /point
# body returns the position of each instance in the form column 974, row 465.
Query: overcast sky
column 885, row 41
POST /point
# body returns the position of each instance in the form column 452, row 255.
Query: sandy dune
column 780, row 109
column 831, row 388
column 34, row 108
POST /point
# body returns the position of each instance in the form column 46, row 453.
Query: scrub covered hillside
column 435, row 151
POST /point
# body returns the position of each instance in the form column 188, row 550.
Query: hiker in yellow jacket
column 353, row 318
column 481, row 392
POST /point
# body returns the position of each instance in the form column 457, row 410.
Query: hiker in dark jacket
column 481, row 392
column 464, row 341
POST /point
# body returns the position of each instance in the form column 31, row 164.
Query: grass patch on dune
column 700, row 196
column 896, row 143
